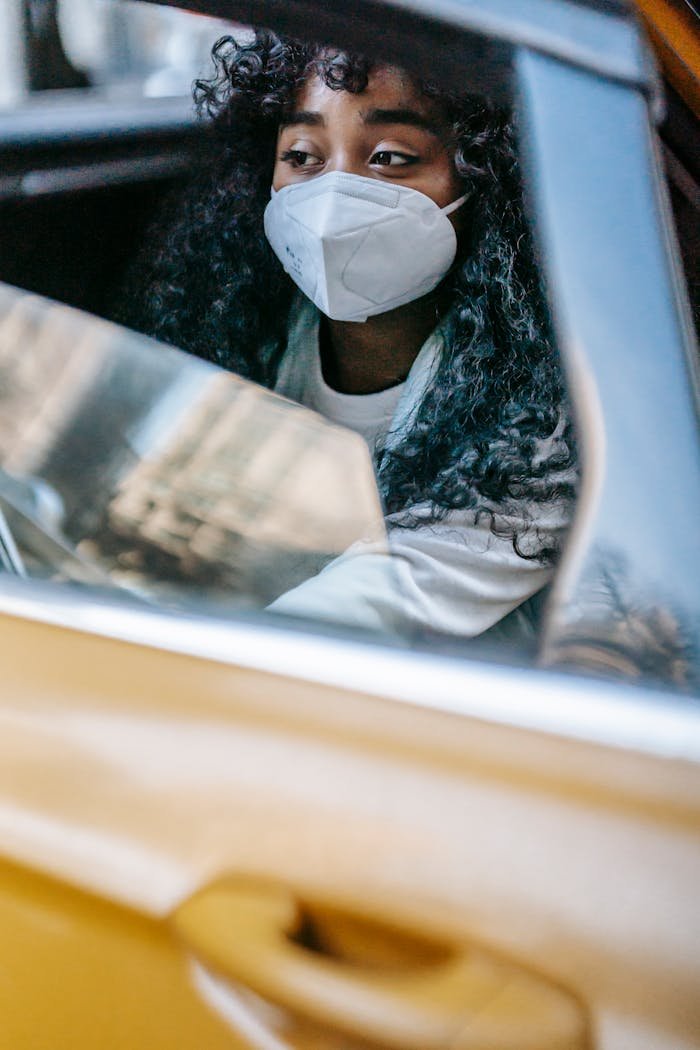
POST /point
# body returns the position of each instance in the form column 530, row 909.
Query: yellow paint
column 78, row 973
column 676, row 38
column 147, row 776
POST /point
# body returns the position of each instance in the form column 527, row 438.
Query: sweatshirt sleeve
column 453, row 576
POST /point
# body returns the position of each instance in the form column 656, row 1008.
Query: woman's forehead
column 387, row 87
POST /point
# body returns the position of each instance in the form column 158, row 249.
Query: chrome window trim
column 629, row 717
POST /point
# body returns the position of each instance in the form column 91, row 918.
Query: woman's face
column 388, row 132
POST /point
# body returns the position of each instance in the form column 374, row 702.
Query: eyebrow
column 371, row 117
column 303, row 116
column 411, row 117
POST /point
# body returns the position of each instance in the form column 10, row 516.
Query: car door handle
column 362, row 979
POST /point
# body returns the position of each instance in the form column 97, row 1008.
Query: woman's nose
column 346, row 162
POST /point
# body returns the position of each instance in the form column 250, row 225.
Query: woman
column 358, row 245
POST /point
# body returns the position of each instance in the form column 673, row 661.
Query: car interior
column 83, row 179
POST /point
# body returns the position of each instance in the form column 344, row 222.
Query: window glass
column 432, row 491
column 128, row 464
column 119, row 48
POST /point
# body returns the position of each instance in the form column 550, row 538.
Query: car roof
column 477, row 41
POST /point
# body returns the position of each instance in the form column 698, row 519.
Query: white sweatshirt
column 454, row 576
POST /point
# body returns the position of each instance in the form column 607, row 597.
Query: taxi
column 224, row 828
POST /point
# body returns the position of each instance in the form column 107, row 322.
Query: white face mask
column 357, row 246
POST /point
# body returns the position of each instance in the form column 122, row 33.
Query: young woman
column 357, row 243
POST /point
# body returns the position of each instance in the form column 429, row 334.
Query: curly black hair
column 492, row 433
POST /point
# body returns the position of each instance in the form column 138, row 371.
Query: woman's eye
column 391, row 158
column 299, row 158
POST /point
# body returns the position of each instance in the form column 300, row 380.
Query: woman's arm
column 454, row 577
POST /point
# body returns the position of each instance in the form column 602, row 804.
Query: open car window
column 585, row 100
column 120, row 49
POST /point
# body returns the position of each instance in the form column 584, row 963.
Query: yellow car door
column 231, row 835
column 220, row 829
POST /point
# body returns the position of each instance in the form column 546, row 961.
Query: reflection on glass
column 616, row 625
column 123, row 462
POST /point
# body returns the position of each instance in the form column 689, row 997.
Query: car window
column 127, row 49
column 230, row 505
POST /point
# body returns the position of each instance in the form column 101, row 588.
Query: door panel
column 145, row 775
column 81, row 180
column 79, row 972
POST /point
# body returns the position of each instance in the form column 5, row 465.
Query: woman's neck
column 363, row 358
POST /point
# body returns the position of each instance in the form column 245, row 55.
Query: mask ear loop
column 455, row 204
column 448, row 211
